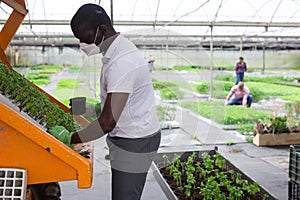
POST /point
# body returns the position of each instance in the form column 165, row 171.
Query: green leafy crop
column 226, row 114
column 208, row 178
column 30, row 100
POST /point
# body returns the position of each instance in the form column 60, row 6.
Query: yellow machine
column 25, row 146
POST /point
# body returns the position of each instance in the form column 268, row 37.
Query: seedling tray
column 26, row 115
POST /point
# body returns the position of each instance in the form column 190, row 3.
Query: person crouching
column 241, row 94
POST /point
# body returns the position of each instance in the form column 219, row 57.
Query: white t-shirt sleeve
column 121, row 77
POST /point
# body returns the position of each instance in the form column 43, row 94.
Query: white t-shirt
column 125, row 70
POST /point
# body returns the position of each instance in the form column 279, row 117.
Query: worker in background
column 240, row 69
column 241, row 94
column 151, row 63
column 128, row 114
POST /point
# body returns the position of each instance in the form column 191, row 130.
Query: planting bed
column 204, row 175
column 225, row 114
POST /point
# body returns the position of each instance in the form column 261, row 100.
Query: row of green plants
column 270, row 79
column 68, row 84
column 226, row 114
column 40, row 74
column 260, row 87
column 168, row 90
column 270, row 89
column 29, row 99
column 258, row 90
column 220, row 88
column 38, row 79
column 47, row 68
column 195, row 68
column 191, row 68
column 207, row 178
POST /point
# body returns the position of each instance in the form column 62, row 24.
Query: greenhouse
column 140, row 99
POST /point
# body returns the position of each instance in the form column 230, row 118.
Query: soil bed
column 198, row 175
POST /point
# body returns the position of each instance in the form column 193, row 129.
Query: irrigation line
column 186, row 14
column 133, row 10
column 45, row 16
column 157, row 7
column 275, row 11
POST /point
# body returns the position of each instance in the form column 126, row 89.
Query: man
column 241, row 96
column 240, row 69
column 127, row 101
column 151, row 63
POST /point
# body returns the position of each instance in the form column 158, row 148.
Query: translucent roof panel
column 267, row 11
column 205, row 10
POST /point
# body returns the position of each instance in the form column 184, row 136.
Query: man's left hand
column 62, row 134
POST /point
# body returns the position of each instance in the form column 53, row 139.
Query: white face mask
column 91, row 49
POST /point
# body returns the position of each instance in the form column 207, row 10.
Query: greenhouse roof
column 231, row 18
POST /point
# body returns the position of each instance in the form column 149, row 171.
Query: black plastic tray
column 294, row 165
column 294, row 190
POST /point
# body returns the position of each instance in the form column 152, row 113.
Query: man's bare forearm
column 111, row 112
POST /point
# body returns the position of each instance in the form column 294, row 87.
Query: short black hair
column 91, row 16
column 241, row 58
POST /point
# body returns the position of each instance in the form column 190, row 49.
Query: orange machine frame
column 25, row 145
column 11, row 26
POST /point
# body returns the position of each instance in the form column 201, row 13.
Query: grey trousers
column 130, row 161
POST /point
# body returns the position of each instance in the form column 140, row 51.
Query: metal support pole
column 95, row 79
column 255, row 53
column 167, row 59
column 211, row 63
column 112, row 11
column 241, row 46
column 264, row 59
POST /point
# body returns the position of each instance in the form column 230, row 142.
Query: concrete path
column 252, row 161
column 54, row 79
column 205, row 130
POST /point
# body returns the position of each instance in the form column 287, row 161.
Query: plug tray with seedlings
column 17, row 92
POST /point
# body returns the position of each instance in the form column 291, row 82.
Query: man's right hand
column 226, row 102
